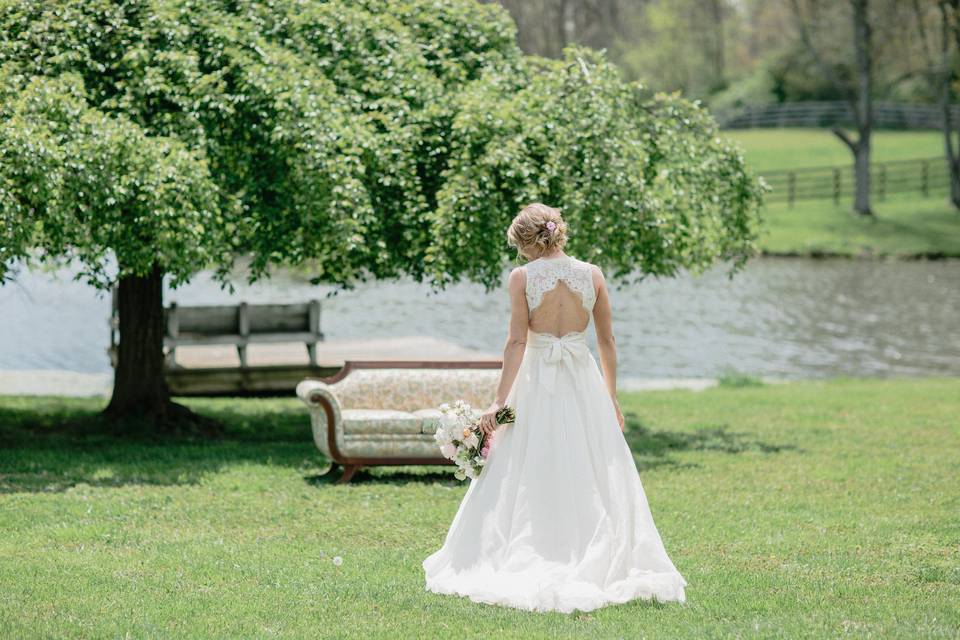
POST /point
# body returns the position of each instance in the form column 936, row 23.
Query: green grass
column 906, row 225
column 817, row 509
column 773, row 149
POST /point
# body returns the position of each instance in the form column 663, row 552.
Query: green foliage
column 369, row 138
column 644, row 182
column 735, row 379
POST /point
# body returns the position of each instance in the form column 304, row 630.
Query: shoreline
column 816, row 254
column 75, row 384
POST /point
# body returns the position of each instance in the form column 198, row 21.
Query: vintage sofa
column 385, row 412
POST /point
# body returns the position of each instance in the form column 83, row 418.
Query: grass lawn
column 816, row 509
column 906, row 225
column 774, row 149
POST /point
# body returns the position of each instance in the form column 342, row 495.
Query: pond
column 780, row 317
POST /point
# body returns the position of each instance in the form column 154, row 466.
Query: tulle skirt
column 558, row 520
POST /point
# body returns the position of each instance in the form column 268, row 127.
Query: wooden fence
column 922, row 176
column 886, row 115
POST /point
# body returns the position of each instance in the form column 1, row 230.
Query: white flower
column 448, row 450
column 459, row 474
column 337, row 560
column 472, row 440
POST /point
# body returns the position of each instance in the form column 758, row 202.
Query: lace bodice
column 544, row 273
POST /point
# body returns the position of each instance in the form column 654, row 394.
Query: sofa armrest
column 324, row 408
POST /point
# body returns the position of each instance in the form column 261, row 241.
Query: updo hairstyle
column 537, row 230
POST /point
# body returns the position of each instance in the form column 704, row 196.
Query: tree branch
column 845, row 137
column 825, row 69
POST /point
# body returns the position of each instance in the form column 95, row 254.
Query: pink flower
column 551, row 226
column 485, row 451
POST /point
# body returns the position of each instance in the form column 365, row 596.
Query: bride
column 558, row 519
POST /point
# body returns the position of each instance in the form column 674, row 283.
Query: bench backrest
column 409, row 387
column 242, row 319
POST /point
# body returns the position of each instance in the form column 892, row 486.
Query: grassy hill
column 906, row 225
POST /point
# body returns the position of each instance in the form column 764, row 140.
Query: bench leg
column 348, row 471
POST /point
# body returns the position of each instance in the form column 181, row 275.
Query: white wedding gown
column 558, row 519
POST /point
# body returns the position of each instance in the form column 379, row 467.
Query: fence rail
column 886, row 115
column 923, row 175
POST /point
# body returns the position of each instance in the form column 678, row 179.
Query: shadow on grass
column 391, row 474
column 52, row 444
column 653, row 449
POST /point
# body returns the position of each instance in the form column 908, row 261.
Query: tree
column 367, row 139
column 168, row 136
column 941, row 75
column 859, row 95
column 646, row 182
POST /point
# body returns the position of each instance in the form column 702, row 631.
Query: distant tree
column 366, row 139
column 546, row 27
column 858, row 91
column 944, row 17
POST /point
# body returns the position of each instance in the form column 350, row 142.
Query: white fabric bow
column 557, row 350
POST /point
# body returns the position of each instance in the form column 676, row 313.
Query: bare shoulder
column 518, row 277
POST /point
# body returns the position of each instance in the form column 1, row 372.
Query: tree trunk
column 948, row 23
column 955, row 184
column 861, row 165
column 953, row 161
column 719, row 47
column 864, row 106
column 140, row 390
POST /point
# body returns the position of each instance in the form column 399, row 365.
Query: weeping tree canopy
column 372, row 137
column 363, row 138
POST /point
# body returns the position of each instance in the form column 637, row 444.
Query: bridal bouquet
column 461, row 439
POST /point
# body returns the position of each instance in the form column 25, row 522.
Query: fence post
column 925, row 178
column 791, row 188
column 836, row 186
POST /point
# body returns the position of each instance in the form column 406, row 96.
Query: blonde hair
column 531, row 233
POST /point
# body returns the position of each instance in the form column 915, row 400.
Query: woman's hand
column 616, row 405
column 488, row 419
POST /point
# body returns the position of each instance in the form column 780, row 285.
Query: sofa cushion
column 379, row 421
column 409, row 445
column 430, row 420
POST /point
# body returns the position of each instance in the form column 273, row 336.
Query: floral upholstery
column 391, row 412
column 367, row 421
column 413, row 389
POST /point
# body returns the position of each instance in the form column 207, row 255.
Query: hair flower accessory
column 551, row 226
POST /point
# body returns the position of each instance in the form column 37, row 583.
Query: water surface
column 780, row 317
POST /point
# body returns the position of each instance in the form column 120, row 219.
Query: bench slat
column 254, row 338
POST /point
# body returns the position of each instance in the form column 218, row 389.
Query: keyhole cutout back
column 560, row 295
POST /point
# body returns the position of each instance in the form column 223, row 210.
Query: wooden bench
column 240, row 325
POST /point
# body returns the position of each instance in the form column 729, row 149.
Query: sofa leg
column 348, row 471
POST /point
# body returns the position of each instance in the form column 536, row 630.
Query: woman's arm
column 606, row 343
column 513, row 349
